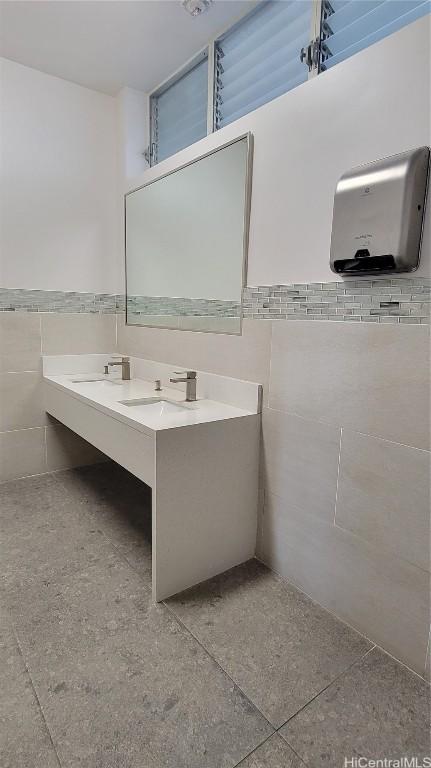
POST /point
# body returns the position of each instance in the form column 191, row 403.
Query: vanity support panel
column 204, row 502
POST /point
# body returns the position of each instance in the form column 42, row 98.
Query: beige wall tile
column 75, row 334
column 300, row 459
column 384, row 495
column 20, row 343
column 22, row 453
column 370, row 378
column 245, row 357
column 21, row 401
column 210, row 324
column 191, row 323
column 65, row 449
column 159, row 321
column 380, row 595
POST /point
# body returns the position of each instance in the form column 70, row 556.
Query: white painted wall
column 375, row 104
column 59, row 207
column 60, row 216
column 133, row 125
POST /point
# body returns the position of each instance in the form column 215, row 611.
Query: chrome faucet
column 190, row 381
column 125, row 367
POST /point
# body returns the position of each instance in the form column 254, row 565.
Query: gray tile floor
column 242, row 670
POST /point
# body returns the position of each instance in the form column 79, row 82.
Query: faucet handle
column 189, row 374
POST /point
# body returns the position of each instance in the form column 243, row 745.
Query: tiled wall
column 24, row 300
column 346, row 447
column 346, row 441
column 345, row 466
column 385, row 300
column 405, row 300
column 30, row 442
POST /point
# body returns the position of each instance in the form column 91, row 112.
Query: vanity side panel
column 125, row 445
column 206, row 496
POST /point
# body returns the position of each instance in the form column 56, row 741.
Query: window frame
column 315, row 67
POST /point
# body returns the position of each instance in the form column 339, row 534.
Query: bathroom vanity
column 200, row 458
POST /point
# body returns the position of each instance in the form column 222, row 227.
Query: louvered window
column 276, row 47
column 258, row 59
column 349, row 26
column 179, row 112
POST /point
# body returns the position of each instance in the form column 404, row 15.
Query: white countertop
column 106, row 393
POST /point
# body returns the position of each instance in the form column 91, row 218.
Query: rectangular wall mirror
column 186, row 243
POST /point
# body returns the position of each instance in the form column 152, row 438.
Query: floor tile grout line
column 276, row 729
column 181, row 624
column 123, row 557
column 302, row 759
column 344, row 672
column 33, row 687
column 243, row 759
column 271, row 736
column 214, row 660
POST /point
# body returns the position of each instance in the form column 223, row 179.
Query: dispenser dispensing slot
column 378, row 215
column 364, row 263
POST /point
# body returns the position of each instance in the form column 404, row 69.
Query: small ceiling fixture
column 196, row 7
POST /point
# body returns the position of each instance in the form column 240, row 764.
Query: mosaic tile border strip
column 392, row 300
column 180, row 307
column 14, row 300
column 23, row 300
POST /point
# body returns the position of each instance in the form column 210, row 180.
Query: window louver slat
column 171, row 123
column 179, row 113
column 272, row 65
column 351, row 25
column 273, row 18
column 264, row 85
column 264, row 98
column 259, row 60
column 183, row 138
column 346, row 13
column 262, row 56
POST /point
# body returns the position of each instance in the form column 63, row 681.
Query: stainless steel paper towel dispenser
column 378, row 215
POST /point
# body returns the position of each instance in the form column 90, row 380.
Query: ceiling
column 108, row 44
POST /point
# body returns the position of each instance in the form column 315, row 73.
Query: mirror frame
column 246, row 226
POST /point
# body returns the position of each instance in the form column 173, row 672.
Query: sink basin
column 155, row 405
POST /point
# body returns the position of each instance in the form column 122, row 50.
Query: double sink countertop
column 151, row 411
